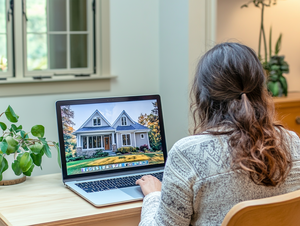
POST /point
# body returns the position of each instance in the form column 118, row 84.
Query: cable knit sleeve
column 174, row 206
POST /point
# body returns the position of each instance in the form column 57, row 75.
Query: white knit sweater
column 199, row 187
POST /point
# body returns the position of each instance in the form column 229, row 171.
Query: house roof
column 93, row 115
column 135, row 126
column 123, row 113
column 94, row 129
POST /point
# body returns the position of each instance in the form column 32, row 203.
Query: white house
column 98, row 133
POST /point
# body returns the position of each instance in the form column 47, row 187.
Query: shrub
column 100, row 153
column 125, row 150
column 144, row 147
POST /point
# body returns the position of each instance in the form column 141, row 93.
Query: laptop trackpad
column 135, row 192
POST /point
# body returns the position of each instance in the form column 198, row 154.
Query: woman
column 237, row 153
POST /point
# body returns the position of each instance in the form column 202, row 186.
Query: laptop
column 106, row 144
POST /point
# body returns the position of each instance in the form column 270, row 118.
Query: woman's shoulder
column 206, row 154
column 193, row 140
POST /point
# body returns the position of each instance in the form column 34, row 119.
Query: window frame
column 98, row 121
column 126, row 134
column 9, row 41
column 68, row 70
column 124, row 123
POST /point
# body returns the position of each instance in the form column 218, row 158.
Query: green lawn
column 75, row 166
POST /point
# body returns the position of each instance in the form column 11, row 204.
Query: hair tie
column 242, row 94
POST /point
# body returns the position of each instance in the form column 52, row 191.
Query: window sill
column 61, row 84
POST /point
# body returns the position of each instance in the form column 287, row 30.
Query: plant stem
column 263, row 31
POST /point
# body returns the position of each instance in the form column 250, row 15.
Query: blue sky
column 111, row 110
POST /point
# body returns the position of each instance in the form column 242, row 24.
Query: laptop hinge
column 117, row 174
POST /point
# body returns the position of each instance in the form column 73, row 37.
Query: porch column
column 113, row 138
column 134, row 139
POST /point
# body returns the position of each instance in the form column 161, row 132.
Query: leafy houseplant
column 28, row 152
column 273, row 64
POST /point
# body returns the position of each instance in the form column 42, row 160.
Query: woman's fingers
column 149, row 184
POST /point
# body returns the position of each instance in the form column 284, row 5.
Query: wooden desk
column 288, row 111
column 43, row 200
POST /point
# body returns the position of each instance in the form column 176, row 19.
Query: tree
column 69, row 139
column 152, row 122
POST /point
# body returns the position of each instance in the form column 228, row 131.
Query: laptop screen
column 107, row 134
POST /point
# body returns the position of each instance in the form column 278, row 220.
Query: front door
column 106, row 143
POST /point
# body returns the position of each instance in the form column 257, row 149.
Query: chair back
column 281, row 210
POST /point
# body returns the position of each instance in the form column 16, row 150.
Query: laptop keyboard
column 108, row 184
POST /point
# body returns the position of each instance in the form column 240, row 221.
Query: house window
column 90, row 142
column 94, row 142
column 126, row 139
column 97, row 121
column 6, row 62
column 142, row 136
column 124, row 121
column 99, row 142
column 84, row 142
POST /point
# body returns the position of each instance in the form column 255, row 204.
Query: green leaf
column 38, row 131
column 275, row 67
column 37, row 159
column 285, row 68
column 3, row 146
column 11, row 141
column 3, row 126
column 278, row 45
column 16, row 167
column 47, row 150
column 36, row 148
column 4, row 164
column 14, row 127
column 29, row 171
column 11, row 115
column 284, row 85
column 12, row 145
column 273, row 88
column 245, row 5
column 26, row 162
column 24, row 135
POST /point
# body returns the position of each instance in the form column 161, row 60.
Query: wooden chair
column 281, row 210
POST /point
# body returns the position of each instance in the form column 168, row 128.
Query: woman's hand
column 149, row 184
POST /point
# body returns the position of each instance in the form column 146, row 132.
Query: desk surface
column 44, row 200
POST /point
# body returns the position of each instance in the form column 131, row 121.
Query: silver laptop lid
column 110, row 136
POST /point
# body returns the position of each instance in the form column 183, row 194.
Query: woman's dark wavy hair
column 229, row 91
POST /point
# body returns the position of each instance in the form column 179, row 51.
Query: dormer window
column 124, row 121
column 97, row 121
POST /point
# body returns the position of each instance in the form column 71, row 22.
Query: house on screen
column 98, row 133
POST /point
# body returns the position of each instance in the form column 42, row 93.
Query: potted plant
column 273, row 64
column 27, row 152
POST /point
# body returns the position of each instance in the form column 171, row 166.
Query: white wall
column 174, row 67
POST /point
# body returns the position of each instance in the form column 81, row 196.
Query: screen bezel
column 99, row 101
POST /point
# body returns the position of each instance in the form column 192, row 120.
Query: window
column 6, row 62
column 124, row 121
column 126, row 139
column 59, row 37
column 84, row 142
column 56, row 40
column 97, row 121
column 142, row 136
column 94, row 142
